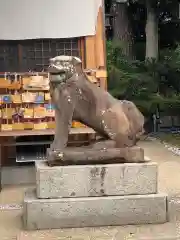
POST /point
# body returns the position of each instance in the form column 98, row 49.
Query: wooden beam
column 101, row 46
column 104, row 32
column 19, row 133
column 82, row 49
column 96, row 48
column 90, row 52
column 100, row 56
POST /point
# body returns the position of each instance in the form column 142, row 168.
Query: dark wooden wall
column 34, row 55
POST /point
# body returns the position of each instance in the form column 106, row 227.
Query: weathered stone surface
column 76, row 98
column 84, row 155
column 95, row 180
column 93, row 211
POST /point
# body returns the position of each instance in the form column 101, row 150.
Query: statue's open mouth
column 57, row 73
column 61, row 68
column 54, row 69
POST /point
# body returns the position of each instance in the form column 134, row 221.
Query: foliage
column 166, row 5
column 149, row 84
column 166, row 10
column 168, row 18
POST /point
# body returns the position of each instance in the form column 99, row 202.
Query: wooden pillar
column 91, row 52
column 101, row 48
column 96, row 50
column 99, row 38
column 81, row 47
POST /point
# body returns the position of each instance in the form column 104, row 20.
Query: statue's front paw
column 56, row 146
column 54, row 155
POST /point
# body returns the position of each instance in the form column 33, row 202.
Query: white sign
column 32, row 19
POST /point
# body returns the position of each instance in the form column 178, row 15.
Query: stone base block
column 95, row 180
column 93, row 211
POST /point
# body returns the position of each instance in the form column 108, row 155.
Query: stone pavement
column 169, row 181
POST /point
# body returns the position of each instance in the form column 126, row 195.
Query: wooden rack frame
column 92, row 51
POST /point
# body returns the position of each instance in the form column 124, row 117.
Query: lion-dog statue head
column 63, row 67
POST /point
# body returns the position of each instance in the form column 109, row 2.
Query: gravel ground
column 169, row 182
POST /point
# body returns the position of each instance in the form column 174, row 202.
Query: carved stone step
column 93, row 211
column 95, row 180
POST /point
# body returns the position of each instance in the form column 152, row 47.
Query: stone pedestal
column 94, row 195
column 95, row 180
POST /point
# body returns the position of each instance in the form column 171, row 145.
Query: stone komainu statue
column 76, row 98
